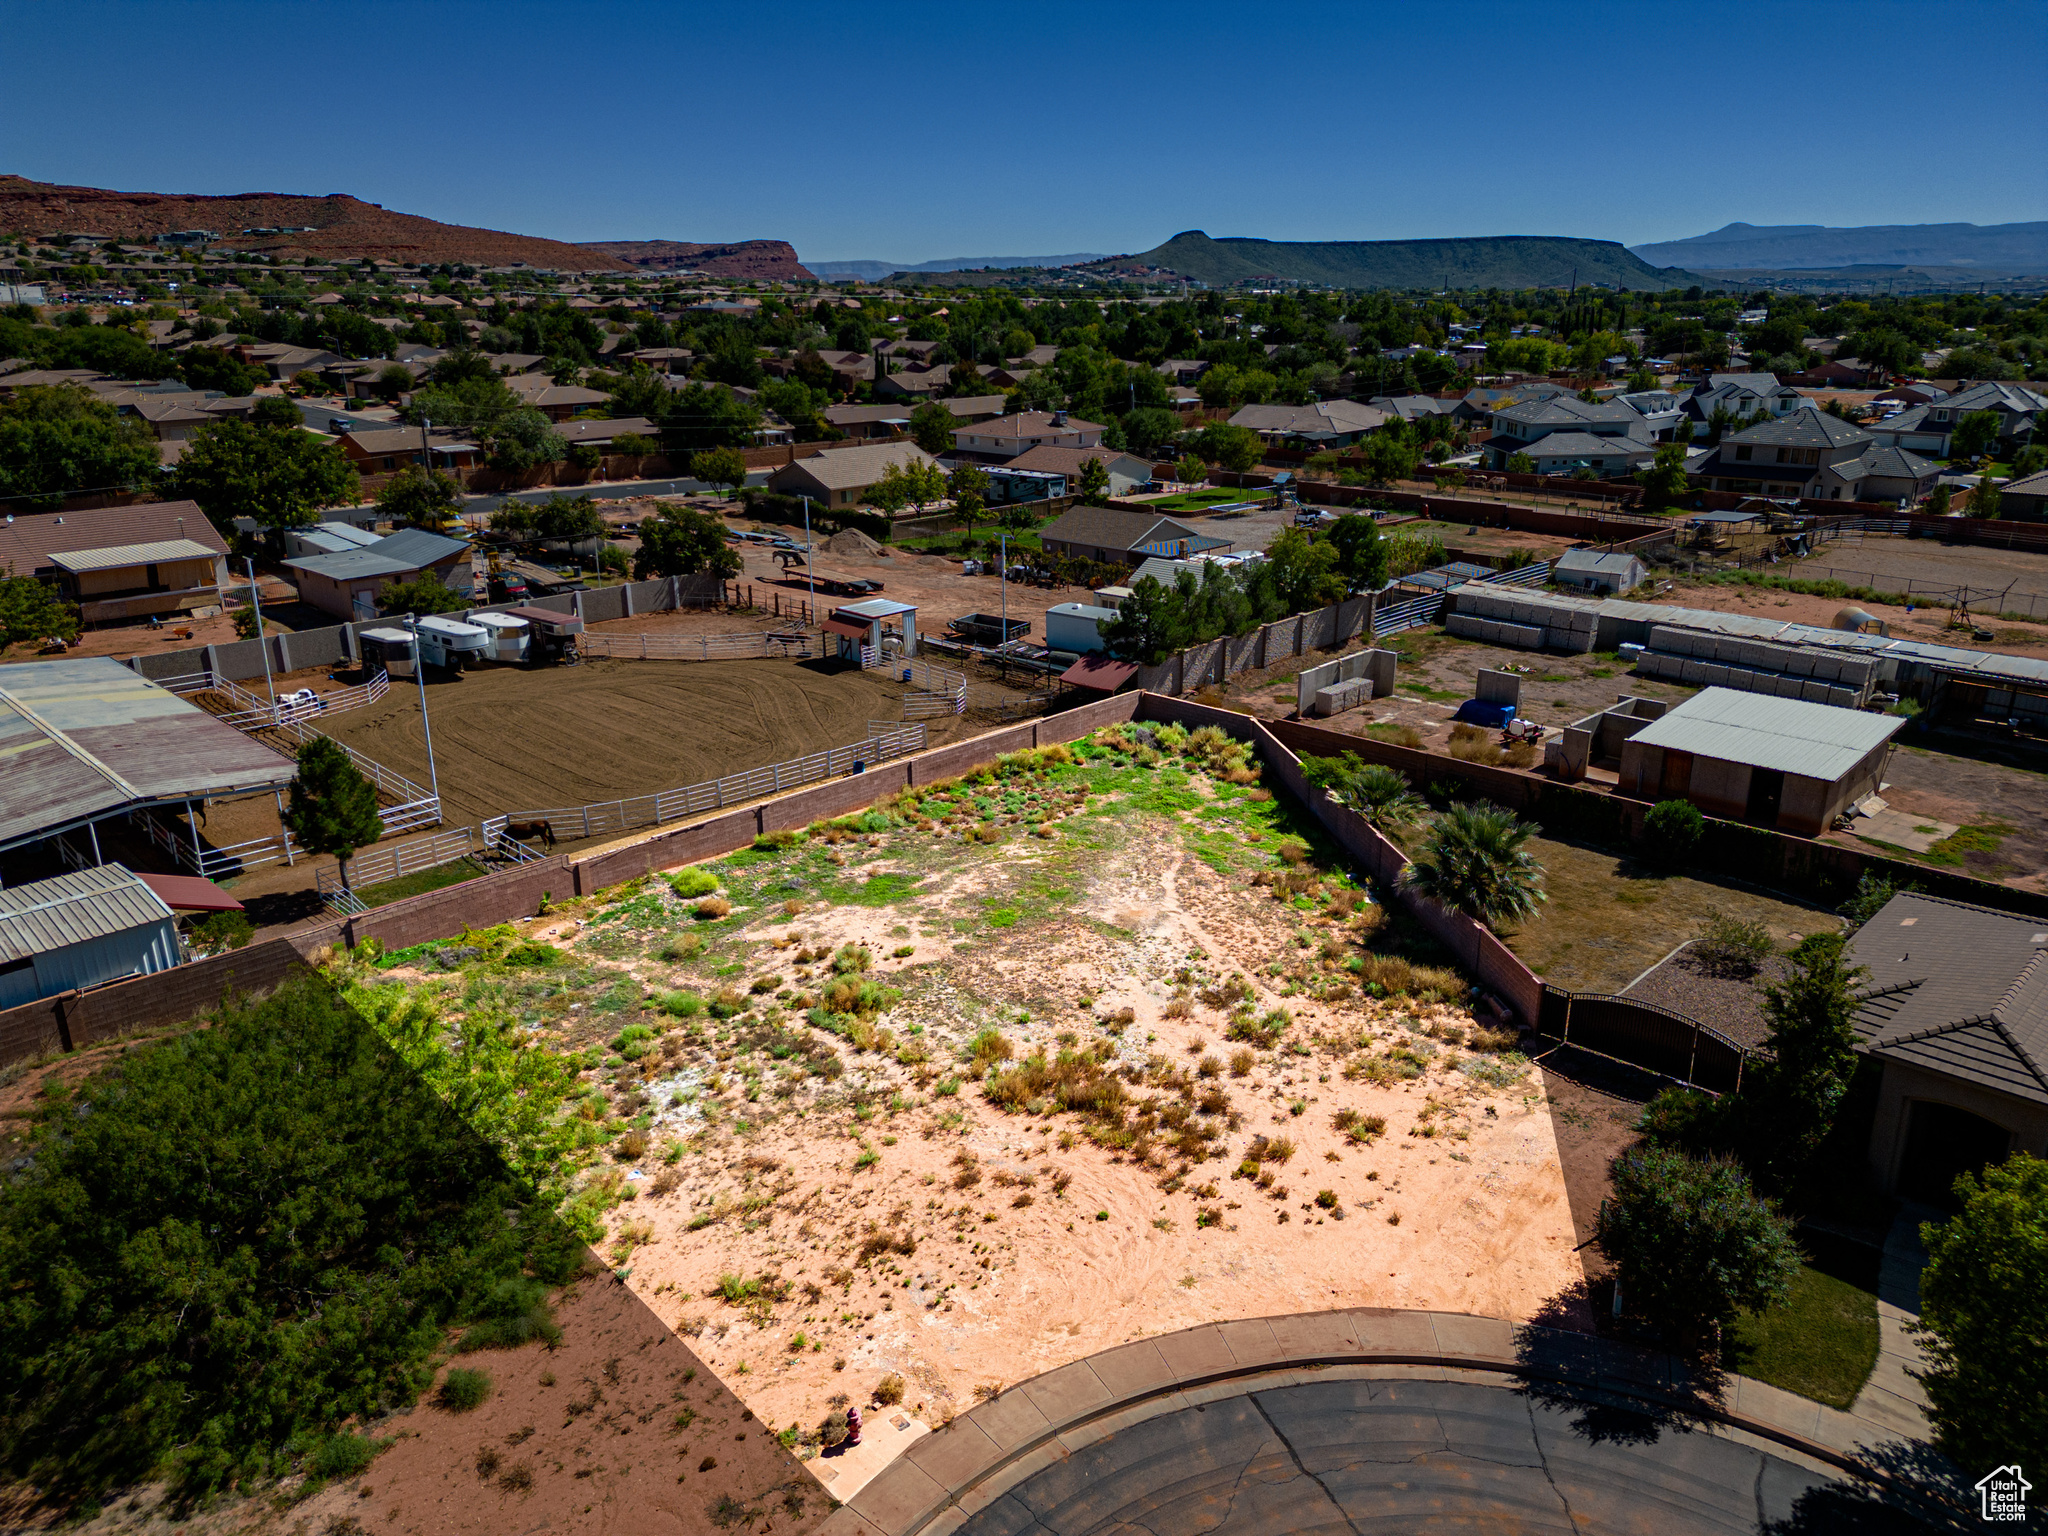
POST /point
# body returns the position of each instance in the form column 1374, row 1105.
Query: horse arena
column 506, row 738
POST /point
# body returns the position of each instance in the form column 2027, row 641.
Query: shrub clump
column 463, row 1390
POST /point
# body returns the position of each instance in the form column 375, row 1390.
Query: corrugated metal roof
column 70, row 909
column 117, row 555
column 1815, row 741
column 84, row 736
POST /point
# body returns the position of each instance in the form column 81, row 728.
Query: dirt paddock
column 509, row 739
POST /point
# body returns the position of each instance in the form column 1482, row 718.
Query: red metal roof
column 849, row 631
column 546, row 618
column 190, row 893
column 1099, row 673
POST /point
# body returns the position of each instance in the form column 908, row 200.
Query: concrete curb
column 944, row 1478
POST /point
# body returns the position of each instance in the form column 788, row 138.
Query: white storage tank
column 1071, row 627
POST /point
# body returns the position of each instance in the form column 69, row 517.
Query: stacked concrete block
column 1342, row 696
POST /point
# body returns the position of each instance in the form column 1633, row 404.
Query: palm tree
column 1474, row 861
column 1378, row 793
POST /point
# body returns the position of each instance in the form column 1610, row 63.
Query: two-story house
column 1814, row 455
column 1605, row 436
column 1742, row 395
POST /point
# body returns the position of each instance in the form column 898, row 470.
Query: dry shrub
column 1214, row 1101
column 1209, row 1066
column 1492, row 1041
column 487, row 1461
column 665, row 1182
column 1361, row 1128
column 889, row 1390
column 1520, row 754
column 1242, row 1062
column 1177, row 1008
column 631, row 1147
column 989, row 1047
column 711, row 908
column 882, row 1240
column 1401, row 736
column 517, row 1478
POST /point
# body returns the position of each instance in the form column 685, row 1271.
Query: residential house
column 1522, row 425
column 1183, row 370
column 2026, row 498
column 841, row 477
column 1814, row 455
column 2017, row 408
column 1116, row 536
column 864, row 421
column 1413, row 408
column 1955, row 1008
column 909, row 352
column 557, row 402
column 1566, row 453
column 1742, row 395
column 346, row 584
column 1003, row 438
column 601, row 434
column 281, row 361
column 1126, row 470
column 1913, row 430
column 120, row 563
column 45, row 378
column 915, row 384
column 384, row 450
column 1324, row 424
column 1660, row 409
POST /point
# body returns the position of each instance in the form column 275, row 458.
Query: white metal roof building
column 1781, row 762
column 80, row 930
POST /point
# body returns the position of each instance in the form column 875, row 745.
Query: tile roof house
column 1126, row 470
column 1117, row 536
column 384, row 449
column 1003, row 438
column 1566, row 453
column 840, row 477
column 1325, row 424
column 1520, row 426
column 557, row 402
column 2026, row 498
column 121, row 563
column 1955, row 1007
column 921, row 383
column 1811, row 454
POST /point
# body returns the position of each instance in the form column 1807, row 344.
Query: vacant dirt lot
column 510, row 739
column 1889, row 564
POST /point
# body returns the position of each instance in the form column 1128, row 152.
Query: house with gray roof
column 82, row 930
column 1742, row 395
column 1595, row 570
column 2017, row 408
column 1323, row 424
column 1806, row 454
column 346, row 583
column 1120, row 537
column 1955, row 1007
column 1522, row 426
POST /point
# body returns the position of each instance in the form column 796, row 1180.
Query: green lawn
column 418, row 884
column 1215, row 496
column 1824, row 1343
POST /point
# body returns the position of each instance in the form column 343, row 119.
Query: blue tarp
column 1477, row 713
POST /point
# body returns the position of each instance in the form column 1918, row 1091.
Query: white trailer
column 509, row 638
column 451, row 643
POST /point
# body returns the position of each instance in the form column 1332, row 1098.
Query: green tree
column 333, row 808
column 1301, row 572
column 31, row 611
column 639, row 391
column 705, row 416
column 1976, row 433
column 1363, row 557
column 1092, row 485
column 1790, row 1099
column 212, row 368
column 2030, row 460
column 1664, row 481
column 393, row 381
column 420, row 498
column 1987, row 498
column 1984, row 1318
column 569, row 519
column 1521, row 464
column 932, row 427
column 425, row 593
column 720, row 466
column 684, row 542
column 1149, row 626
column 1672, row 830
column 968, row 486
column 280, row 479
column 521, row 439
column 1389, row 455
column 1190, row 470
column 278, row 412
column 890, row 491
column 1378, row 793
column 248, row 1234
column 1234, row 448
column 1881, row 350
column 1691, row 1243
column 1476, row 860
column 53, row 441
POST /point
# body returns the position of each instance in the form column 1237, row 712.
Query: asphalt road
column 1407, row 1456
column 608, row 489
column 321, row 418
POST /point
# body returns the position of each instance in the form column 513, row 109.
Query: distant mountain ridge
column 767, row 260
column 875, row 271
column 331, row 227
column 1487, row 261
column 1793, row 247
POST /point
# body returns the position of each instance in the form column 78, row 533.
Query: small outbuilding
column 1594, row 570
column 1754, row 757
column 82, row 930
column 859, row 626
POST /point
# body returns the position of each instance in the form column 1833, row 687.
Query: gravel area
column 1718, row 999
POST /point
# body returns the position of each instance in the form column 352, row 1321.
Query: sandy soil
column 1015, row 1245
column 509, row 739
column 1926, row 624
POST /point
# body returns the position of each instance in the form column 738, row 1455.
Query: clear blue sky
column 913, row 131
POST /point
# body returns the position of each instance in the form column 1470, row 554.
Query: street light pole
column 810, row 565
column 262, row 648
column 419, row 671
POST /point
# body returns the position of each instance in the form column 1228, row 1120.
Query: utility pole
column 426, row 448
column 262, row 648
column 810, row 565
column 1003, row 572
column 419, row 672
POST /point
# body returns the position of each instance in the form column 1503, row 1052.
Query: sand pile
column 851, row 541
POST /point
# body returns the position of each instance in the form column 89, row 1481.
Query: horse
column 526, row 829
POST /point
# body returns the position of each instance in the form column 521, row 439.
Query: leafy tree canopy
column 66, row 439
column 281, row 479
column 684, row 542
column 423, row 498
column 31, row 611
